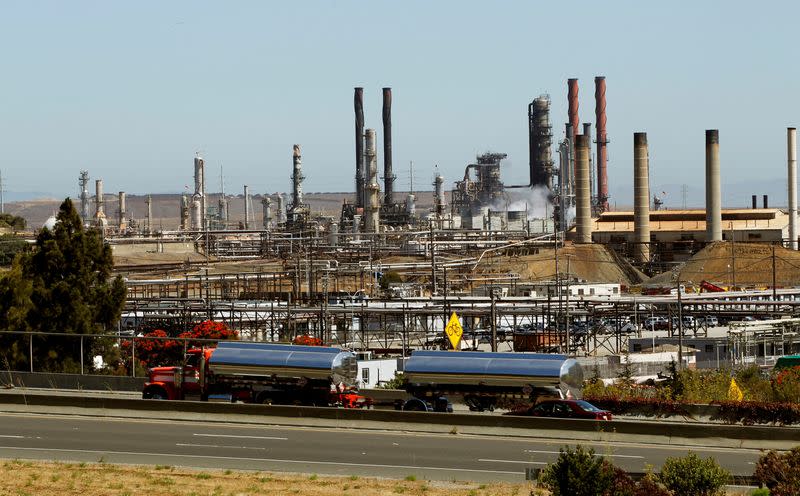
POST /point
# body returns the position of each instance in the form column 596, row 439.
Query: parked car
column 568, row 409
column 708, row 320
column 629, row 328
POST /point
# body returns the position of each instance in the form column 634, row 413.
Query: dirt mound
column 741, row 264
column 590, row 262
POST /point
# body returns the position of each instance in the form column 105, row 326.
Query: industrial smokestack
column 754, row 200
column 641, row 198
column 246, row 207
column 587, row 131
column 297, row 178
column 388, row 177
column 572, row 100
column 266, row 204
column 98, row 199
column 358, row 102
column 122, row 224
column 200, row 187
column 765, row 201
column 713, row 195
column 540, row 142
column 602, row 141
column 583, row 193
column 791, row 138
column 373, row 209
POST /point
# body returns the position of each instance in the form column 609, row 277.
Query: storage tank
column 284, row 361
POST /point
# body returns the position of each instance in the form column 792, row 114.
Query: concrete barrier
column 669, row 433
column 48, row 380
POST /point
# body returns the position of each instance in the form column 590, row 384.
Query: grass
column 51, row 479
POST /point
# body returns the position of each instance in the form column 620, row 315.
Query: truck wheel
column 415, row 406
column 154, row 394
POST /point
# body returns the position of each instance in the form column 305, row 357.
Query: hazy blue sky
column 130, row 90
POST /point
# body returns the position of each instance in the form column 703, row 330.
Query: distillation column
column 373, row 209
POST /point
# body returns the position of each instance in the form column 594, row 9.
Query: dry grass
column 48, row 478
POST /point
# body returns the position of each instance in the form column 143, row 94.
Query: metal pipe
column 583, row 193
column 388, row 176
column 713, row 195
column 792, row 152
column 358, row 103
column 641, row 198
column 373, row 209
column 602, row 141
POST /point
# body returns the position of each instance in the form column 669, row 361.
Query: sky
column 131, row 90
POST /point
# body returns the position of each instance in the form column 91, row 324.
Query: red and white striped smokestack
column 572, row 98
column 602, row 141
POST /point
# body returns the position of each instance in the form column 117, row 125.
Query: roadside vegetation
column 757, row 398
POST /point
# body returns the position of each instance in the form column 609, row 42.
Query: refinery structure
column 536, row 254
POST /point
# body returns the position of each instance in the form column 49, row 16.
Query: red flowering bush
column 157, row 348
column 306, row 340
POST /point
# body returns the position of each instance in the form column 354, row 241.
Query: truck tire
column 415, row 405
column 154, row 394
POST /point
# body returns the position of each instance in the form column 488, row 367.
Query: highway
column 215, row 445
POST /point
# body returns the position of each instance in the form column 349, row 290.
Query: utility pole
column 774, row 280
column 566, row 310
column 493, row 316
column 433, row 263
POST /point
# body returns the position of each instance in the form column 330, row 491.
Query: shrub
column 578, row 472
column 693, row 476
column 780, row 472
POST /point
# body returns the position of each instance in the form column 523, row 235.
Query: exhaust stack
column 602, row 141
column 583, row 193
column 713, row 195
column 791, row 139
column 200, row 188
column 358, row 102
column 572, row 100
column 388, row 177
column 246, row 207
column 641, row 198
column 98, row 200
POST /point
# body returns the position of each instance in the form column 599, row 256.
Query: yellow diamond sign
column 454, row 330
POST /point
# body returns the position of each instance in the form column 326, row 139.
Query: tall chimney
column 713, row 195
column 792, row 152
column 587, row 131
column 98, row 199
column 602, row 141
column 765, row 200
column 572, row 100
column 388, row 177
column 373, row 208
column 641, row 198
column 246, row 207
column 358, row 102
column 583, row 194
column 122, row 224
column 754, row 200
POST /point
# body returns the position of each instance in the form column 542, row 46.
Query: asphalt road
column 311, row 450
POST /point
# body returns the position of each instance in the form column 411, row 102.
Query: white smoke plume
column 535, row 201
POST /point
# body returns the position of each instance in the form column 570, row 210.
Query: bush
column 578, row 473
column 693, row 476
column 780, row 472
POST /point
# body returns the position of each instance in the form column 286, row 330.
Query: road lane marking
column 274, row 460
column 12, row 436
column 544, row 452
column 242, row 437
column 510, row 461
column 218, row 446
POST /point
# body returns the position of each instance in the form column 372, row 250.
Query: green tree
column 10, row 247
column 12, row 221
column 578, row 472
column 693, row 476
column 71, row 292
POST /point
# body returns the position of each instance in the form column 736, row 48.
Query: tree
column 14, row 222
column 71, row 292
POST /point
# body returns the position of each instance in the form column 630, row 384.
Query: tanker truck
column 240, row 371
column 483, row 381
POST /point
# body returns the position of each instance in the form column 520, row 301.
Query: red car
column 569, row 409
